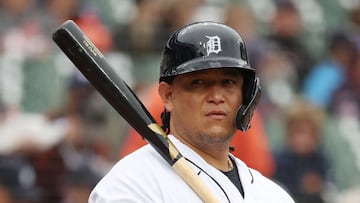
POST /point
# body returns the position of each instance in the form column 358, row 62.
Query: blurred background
column 58, row 136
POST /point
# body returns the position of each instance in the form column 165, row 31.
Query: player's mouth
column 216, row 114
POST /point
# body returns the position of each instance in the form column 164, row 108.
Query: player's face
column 203, row 105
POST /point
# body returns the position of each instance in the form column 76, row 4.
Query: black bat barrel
column 92, row 64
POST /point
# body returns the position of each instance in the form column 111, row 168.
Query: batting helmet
column 207, row 45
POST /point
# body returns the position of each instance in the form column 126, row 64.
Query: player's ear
column 166, row 94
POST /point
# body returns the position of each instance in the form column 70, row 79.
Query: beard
column 214, row 139
column 203, row 139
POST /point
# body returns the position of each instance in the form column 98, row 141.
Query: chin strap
column 245, row 112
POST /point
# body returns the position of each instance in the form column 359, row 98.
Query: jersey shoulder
column 131, row 178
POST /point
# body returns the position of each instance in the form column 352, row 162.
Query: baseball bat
column 93, row 65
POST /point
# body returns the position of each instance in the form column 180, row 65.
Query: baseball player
column 209, row 91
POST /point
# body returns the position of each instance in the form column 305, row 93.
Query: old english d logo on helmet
column 213, row 45
column 206, row 45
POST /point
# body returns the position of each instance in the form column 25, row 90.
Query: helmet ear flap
column 246, row 111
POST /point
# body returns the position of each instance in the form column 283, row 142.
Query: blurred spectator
column 86, row 115
column 278, row 77
column 346, row 110
column 180, row 12
column 18, row 179
column 15, row 43
column 56, row 12
column 50, row 173
column 59, row 11
column 30, row 165
column 353, row 25
column 21, row 30
column 26, row 138
column 14, row 13
column 85, row 150
column 251, row 146
column 330, row 74
column 346, row 100
column 241, row 18
column 301, row 166
column 285, row 33
column 142, row 39
column 144, row 34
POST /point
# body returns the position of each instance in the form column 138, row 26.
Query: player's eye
column 228, row 82
column 197, row 82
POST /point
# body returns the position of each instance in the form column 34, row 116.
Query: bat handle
column 183, row 168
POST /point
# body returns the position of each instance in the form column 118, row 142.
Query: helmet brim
column 208, row 63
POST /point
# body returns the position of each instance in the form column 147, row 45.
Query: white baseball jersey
column 144, row 176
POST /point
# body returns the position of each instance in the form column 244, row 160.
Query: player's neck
column 214, row 153
column 219, row 159
column 217, row 156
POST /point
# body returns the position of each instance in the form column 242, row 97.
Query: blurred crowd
column 59, row 136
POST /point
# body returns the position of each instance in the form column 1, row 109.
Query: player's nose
column 216, row 94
